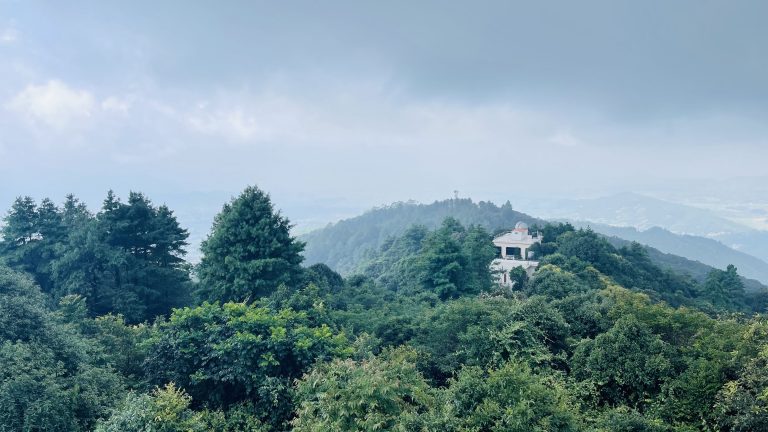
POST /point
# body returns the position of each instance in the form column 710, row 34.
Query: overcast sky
column 371, row 102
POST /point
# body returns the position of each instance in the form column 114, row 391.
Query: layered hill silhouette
column 345, row 244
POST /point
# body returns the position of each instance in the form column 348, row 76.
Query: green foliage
column 34, row 390
column 587, row 255
column 555, row 283
column 127, row 259
column 374, row 394
column 51, row 377
column 239, row 418
column 395, row 265
column 388, row 393
column 623, row 419
column 345, row 245
column 587, row 313
column 324, row 278
column 449, row 262
column 250, row 251
column 600, row 338
column 742, row 404
column 512, row 398
column 122, row 346
column 519, row 278
column 478, row 252
column 486, row 332
column 167, row 409
column 31, row 236
column 550, row 234
column 627, row 364
column 690, row 396
column 231, row 353
column 441, row 261
column 363, row 306
column 724, row 289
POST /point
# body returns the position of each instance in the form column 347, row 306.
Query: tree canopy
column 128, row 258
column 250, row 251
column 99, row 332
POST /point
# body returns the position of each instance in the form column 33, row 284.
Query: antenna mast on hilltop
column 455, row 194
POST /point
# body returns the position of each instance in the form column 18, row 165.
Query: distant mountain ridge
column 696, row 269
column 638, row 211
column 705, row 250
column 643, row 212
column 345, row 244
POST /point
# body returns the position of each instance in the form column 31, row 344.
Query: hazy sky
column 372, row 102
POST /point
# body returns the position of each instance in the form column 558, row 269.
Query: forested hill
column 702, row 249
column 343, row 245
column 681, row 265
column 103, row 329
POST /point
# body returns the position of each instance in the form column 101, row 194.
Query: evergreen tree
column 32, row 236
column 519, row 278
column 443, row 262
column 20, row 223
column 479, row 252
column 250, row 251
column 74, row 211
column 127, row 259
column 89, row 267
column 724, row 288
column 20, row 234
column 149, row 243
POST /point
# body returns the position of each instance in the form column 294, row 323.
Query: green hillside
column 705, row 250
column 347, row 244
column 344, row 244
column 102, row 328
column 685, row 266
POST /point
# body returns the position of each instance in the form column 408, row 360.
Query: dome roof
column 521, row 226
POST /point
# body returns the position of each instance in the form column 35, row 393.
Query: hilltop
column 103, row 328
column 344, row 244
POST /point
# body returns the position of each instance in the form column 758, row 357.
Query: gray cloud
column 646, row 57
column 380, row 100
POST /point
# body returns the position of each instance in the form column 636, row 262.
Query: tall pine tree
column 126, row 259
column 250, row 251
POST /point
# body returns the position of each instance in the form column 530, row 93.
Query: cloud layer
column 381, row 101
column 54, row 104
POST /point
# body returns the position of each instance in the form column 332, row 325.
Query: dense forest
column 702, row 249
column 105, row 327
column 343, row 245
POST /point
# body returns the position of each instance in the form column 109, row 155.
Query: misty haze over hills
column 702, row 249
column 432, row 216
column 642, row 212
column 638, row 211
column 697, row 233
column 345, row 243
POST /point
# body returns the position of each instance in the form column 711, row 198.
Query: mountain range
column 343, row 245
column 644, row 212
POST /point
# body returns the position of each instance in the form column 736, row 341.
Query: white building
column 515, row 244
column 512, row 249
